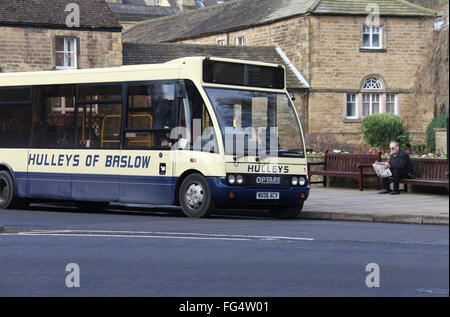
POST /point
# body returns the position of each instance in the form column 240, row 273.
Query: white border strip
column 291, row 66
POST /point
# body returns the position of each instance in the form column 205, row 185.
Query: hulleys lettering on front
column 270, row 169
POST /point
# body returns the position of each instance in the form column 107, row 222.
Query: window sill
column 348, row 120
column 64, row 68
column 372, row 50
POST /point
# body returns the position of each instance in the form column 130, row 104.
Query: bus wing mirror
column 181, row 90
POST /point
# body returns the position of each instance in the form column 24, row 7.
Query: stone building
column 359, row 57
column 50, row 35
column 133, row 11
column 130, row 12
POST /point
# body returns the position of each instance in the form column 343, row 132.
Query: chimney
column 186, row 5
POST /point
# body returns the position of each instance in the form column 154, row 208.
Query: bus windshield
column 257, row 123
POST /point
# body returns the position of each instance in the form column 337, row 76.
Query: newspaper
column 381, row 170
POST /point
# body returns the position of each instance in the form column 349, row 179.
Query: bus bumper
column 224, row 194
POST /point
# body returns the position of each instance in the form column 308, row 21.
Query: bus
column 197, row 132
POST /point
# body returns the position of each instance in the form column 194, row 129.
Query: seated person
column 400, row 166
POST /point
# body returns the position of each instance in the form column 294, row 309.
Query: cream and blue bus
column 197, row 132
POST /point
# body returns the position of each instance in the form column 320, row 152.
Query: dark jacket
column 401, row 161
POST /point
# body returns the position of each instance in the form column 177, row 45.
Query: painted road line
column 146, row 234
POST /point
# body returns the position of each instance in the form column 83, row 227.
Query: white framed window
column 372, row 83
column 221, row 42
column 63, row 105
column 372, row 37
column 370, row 104
column 66, row 52
column 372, row 99
column 240, row 41
column 391, row 103
column 351, row 106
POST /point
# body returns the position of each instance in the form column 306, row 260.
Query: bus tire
column 7, row 198
column 195, row 196
column 287, row 212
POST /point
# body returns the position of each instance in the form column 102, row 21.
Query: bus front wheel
column 7, row 199
column 287, row 212
column 195, row 196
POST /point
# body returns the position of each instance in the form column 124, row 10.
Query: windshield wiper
column 290, row 153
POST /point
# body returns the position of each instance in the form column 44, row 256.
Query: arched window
column 372, row 83
column 371, row 99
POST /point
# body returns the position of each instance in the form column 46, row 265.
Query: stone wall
column 441, row 140
column 33, row 49
column 340, row 65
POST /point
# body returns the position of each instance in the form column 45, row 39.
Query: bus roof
column 165, row 71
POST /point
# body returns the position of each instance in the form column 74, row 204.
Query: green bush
column 438, row 122
column 418, row 148
column 381, row 128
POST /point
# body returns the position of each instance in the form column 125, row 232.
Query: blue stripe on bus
column 147, row 189
column 96, row 187
column 49, row 185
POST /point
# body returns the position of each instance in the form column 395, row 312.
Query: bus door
column 97, row 142
column 197, row 139
column 146, row 173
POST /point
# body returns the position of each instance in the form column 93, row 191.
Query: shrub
column 438, row 122
column 320, row 142
column 418, row 148
column 381, row 128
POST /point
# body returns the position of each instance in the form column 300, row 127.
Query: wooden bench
column 429, row 172
column 347, row 165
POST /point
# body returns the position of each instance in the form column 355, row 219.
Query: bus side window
column 202, row 130
column 53, row 116
column 15, row 114
column 151, row 116
column 99, row 116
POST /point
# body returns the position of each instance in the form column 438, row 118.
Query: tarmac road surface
column 161, row 253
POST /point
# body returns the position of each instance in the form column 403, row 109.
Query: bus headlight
column 302, row 181
column 239, row 179
column 294, row 181
column 231, row 179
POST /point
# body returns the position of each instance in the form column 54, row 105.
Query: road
column 161, row 253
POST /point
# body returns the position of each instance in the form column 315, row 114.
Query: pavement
column 348, row 204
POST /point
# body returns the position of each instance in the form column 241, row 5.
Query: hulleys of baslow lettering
column 91, row 160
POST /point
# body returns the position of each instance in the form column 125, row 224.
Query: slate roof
column 130, row 12
column 241, row 14
column 231, row 15
column 134, row 54
column 50, row 13
column 358, row 7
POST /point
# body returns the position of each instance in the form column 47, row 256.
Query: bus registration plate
column 267, row 195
